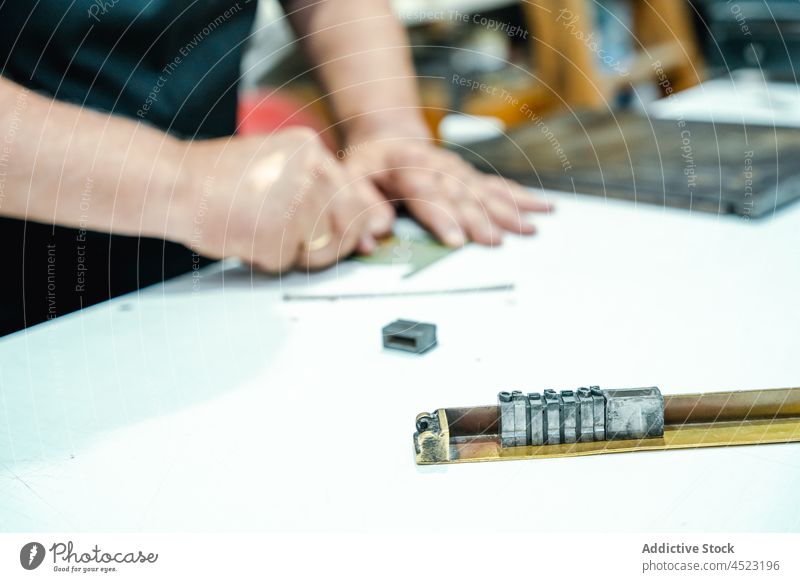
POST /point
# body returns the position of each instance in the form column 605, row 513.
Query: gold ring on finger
column 319, row 243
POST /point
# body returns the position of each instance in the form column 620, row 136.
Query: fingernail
column 492, row 236
column 380, row 224
column 454, row 238
column 366, row 245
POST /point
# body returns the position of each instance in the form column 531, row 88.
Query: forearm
column 364, row 62
column 71, row 166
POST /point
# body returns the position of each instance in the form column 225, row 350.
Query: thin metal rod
column 456, row 291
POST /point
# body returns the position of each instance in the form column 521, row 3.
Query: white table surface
column 224, row 408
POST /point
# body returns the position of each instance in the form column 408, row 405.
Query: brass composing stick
column 557, row 425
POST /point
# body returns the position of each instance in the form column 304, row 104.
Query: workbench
column 210, row 403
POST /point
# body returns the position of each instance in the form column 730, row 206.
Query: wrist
column 149, row 187
column 391, row 124
column 178, row 191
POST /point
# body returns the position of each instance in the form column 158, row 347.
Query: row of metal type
column 582, row 415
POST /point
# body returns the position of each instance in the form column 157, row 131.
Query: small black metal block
column 409, row 336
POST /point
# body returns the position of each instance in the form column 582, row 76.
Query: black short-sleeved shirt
column 172, row 63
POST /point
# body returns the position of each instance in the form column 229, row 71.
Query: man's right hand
column 277, row 202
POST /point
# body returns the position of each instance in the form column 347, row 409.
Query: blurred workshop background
column 531, row 89
column 518, row 46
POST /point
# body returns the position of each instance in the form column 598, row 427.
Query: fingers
column 321, row 238
column 424, row 199
column 321, row 248
column 381, row 214
column 512, row 192
column 456, row 202
column 441, row 218
column 474, row 219
column 352, row 210
column 506, row 216
column 457, row 206
column 304, row 207
column 353, row 215
column 478, row 224
column 277, row 260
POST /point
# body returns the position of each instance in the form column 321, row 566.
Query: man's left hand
column 446, row 194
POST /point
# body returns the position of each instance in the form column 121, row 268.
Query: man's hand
column 276, row 202
column 361, row 54
column 446, row 194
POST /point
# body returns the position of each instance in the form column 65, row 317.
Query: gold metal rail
column 712, row 419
